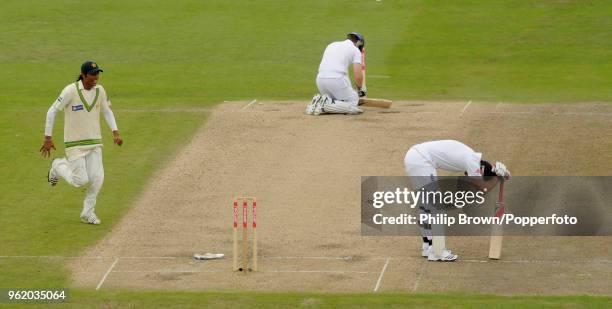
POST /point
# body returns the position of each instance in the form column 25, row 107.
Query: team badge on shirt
column 77, row 108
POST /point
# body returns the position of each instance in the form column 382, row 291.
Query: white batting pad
column 341, row 107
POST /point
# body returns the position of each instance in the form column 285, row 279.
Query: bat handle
column 501, row 190
column 363, row 63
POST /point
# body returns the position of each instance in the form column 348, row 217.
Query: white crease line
column 50, row 257
column 107, row 273
column 533, row 113
column 262, row 271
column 583, row 114
column 380, row 277
column 169, row 271
column 603, row 261
column 302, row 257
column 465, row 108
column 347, row 258
column 158, row 257
column 532, row 261
column 90, row 257
column 250, row 103
column 181, row 110
column 320, row 271
column 549, row 113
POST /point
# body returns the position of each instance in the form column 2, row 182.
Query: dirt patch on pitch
column 305, row 172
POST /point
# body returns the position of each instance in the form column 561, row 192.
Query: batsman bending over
column 421, row 163
column 337, row 96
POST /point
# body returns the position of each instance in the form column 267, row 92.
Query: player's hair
column 357, row 39
column 487, row 170
column 80, row 77
column 352, row 37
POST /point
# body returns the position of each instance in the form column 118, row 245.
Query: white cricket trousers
column 422, row 173
column 84, row 170
column 338, row 89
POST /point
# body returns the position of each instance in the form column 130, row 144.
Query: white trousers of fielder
column 84, row 170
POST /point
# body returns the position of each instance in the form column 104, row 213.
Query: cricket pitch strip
column 305, row 171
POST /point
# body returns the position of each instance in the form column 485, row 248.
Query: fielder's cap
column 90, row 67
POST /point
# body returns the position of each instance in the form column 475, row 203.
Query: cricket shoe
column 51, row 175
column 355, row 111
column 313, row 104
column 447, row 256
column 425, row 251
column 321, row 103
column 91, row 219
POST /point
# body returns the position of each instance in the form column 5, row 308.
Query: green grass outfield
column 80, row 299
column 184, row 54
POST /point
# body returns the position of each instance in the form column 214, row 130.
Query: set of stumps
column 244, row 265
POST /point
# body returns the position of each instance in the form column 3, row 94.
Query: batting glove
column 361, row 92
column 501, row 170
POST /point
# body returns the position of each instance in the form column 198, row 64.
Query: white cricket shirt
column 451, row 155
column 337, row 58
column 81, row 117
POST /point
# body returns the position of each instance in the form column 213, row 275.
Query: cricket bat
column 363, row 69
column 495, row 246
column 382, row 103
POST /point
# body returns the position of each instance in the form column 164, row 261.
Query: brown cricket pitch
column 306, row 170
